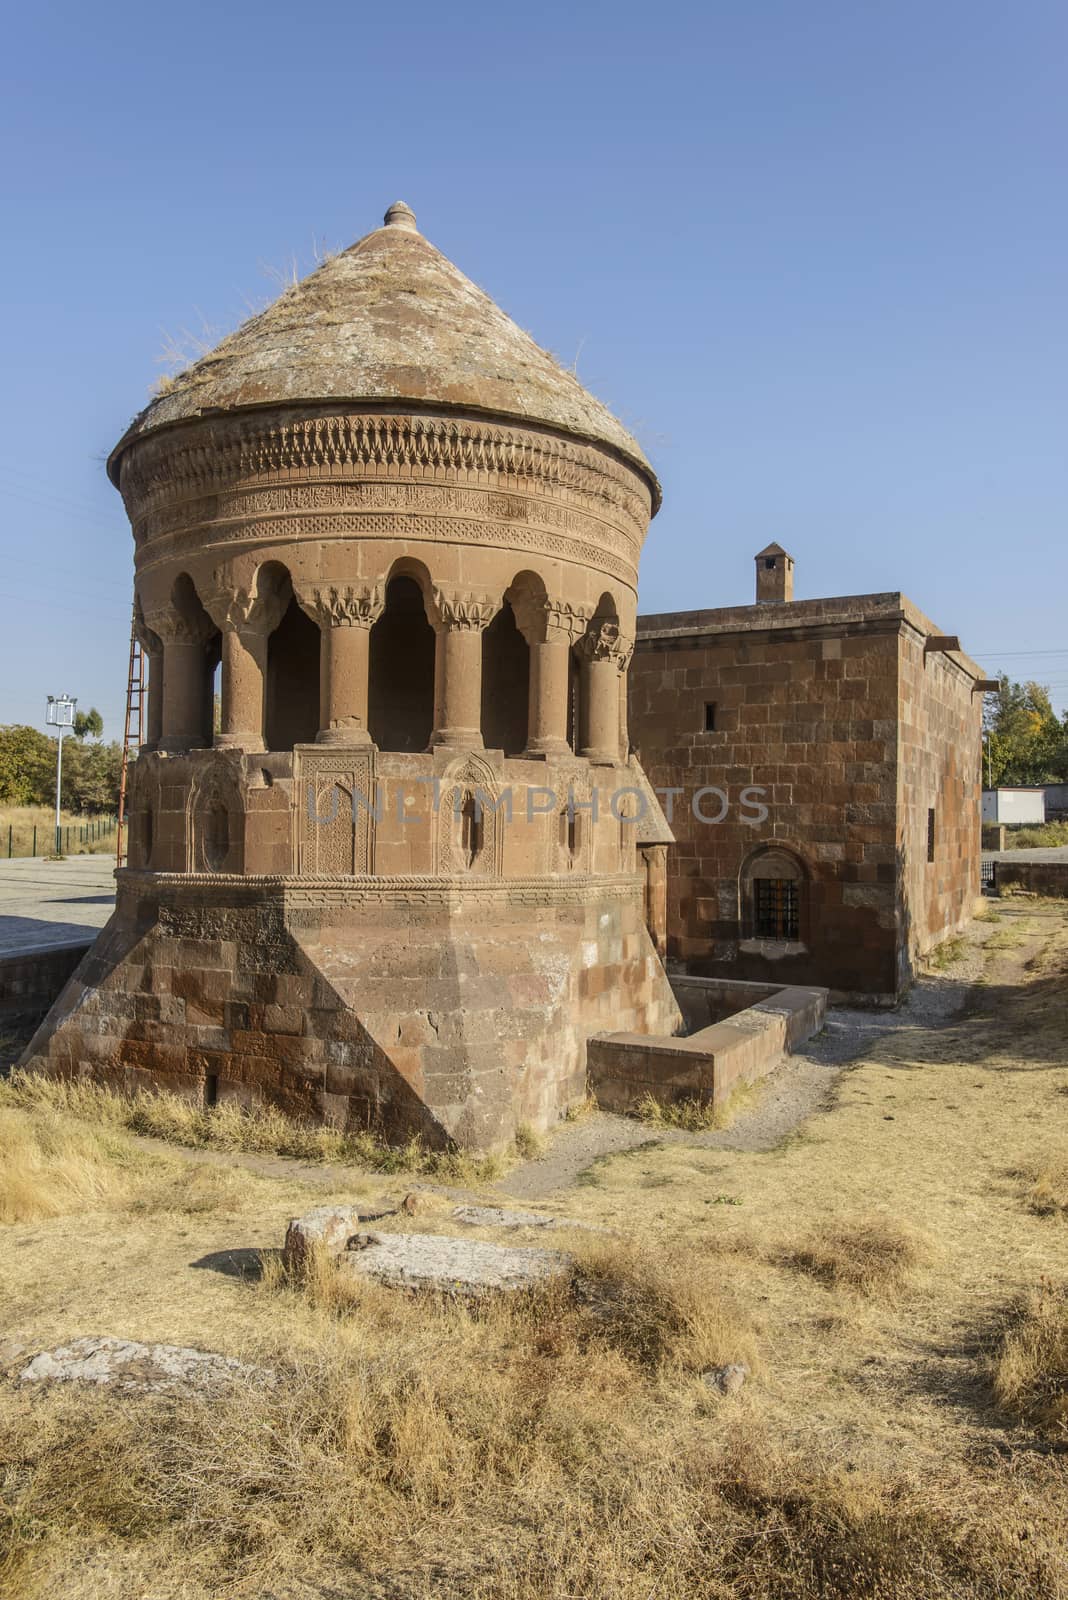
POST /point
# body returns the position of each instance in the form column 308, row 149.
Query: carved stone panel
column 335, row 797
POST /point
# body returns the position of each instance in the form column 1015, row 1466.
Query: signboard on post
column 60, row 714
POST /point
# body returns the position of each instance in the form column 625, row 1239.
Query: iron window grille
column 777, row 907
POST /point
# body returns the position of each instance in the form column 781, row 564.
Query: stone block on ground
column 128, row 1365
column 448, row 1265
column 330, row 1227
column 501, row 1217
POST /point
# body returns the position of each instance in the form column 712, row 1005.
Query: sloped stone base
column 433, row 1007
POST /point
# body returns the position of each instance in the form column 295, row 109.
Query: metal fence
column 44, row 839
column 988, row 876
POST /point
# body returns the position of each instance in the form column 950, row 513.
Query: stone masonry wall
column 938, row 771
column 451, row 1014
column 808, row 714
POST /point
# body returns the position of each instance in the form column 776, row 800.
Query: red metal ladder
column 132, row 737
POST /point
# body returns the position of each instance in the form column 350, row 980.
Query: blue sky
column 812, row 254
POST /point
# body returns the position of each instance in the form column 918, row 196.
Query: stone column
column 604, row 656
column 152, row 652
column 182, row 711
column 551, row 628
column 244, row 666
column 459, row 619
column 245, row 621
column 346, row 613
column 624, row 724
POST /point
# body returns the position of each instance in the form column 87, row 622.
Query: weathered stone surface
column 330, row 1227
column 501, row 1217
column 126, row 1364
column 450, row 1266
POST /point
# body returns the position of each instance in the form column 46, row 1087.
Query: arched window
column 773, row 897
column 568, row 839
column 216, row 826
column 188, row 604
column 292, row 709
column 505, row 684
column 472, row 834
column 401, row 693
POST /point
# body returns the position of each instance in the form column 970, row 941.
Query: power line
column 35, row 566
column 48, row 503
column 79, row 610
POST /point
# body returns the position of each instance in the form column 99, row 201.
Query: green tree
column 27, row 766
column 1025, row 742
column 88, row 722
column 90, row 776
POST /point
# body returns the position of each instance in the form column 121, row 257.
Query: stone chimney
column 774, row 576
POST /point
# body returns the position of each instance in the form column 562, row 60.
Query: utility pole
column 60, row 715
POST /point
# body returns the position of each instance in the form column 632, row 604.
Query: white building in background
column 1014, row 805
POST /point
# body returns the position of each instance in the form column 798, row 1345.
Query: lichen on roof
column 389, row 319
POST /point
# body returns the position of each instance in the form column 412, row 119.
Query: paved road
column 1059, row 853
column 52, row 902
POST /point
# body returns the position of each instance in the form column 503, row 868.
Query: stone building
column 838, row 744
column 379, row 894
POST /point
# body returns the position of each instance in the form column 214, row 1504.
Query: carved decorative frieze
column 201, row 459
column 324, row 892
column 367, row 510
column 335, row 797
column 348, row 525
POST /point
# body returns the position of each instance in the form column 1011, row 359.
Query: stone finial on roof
column 400, row 216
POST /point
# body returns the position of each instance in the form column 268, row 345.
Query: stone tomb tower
column 383, row 866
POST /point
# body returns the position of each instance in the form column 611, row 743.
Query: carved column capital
column 147, row 638
column 604, row 642
column 171, row 627
column 463, row 610
column 566, row 621
column 230, row 608
column 343, row 605
column 245, row 608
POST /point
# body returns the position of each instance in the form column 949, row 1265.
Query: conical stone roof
column 391, row 320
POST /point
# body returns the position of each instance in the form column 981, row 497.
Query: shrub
column 871, row 1256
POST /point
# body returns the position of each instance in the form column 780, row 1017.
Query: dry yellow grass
column 563, row 1445
column 1030, row 1369
column 698, row 1116
column 22, row 820
column 871, row 1255
column 417, row 1447
column 1047, row 1186
column 257, row 1130
column 54, row 1165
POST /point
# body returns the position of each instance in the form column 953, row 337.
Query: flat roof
column 836, row 611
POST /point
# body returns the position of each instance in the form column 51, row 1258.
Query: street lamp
column 60, row 714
